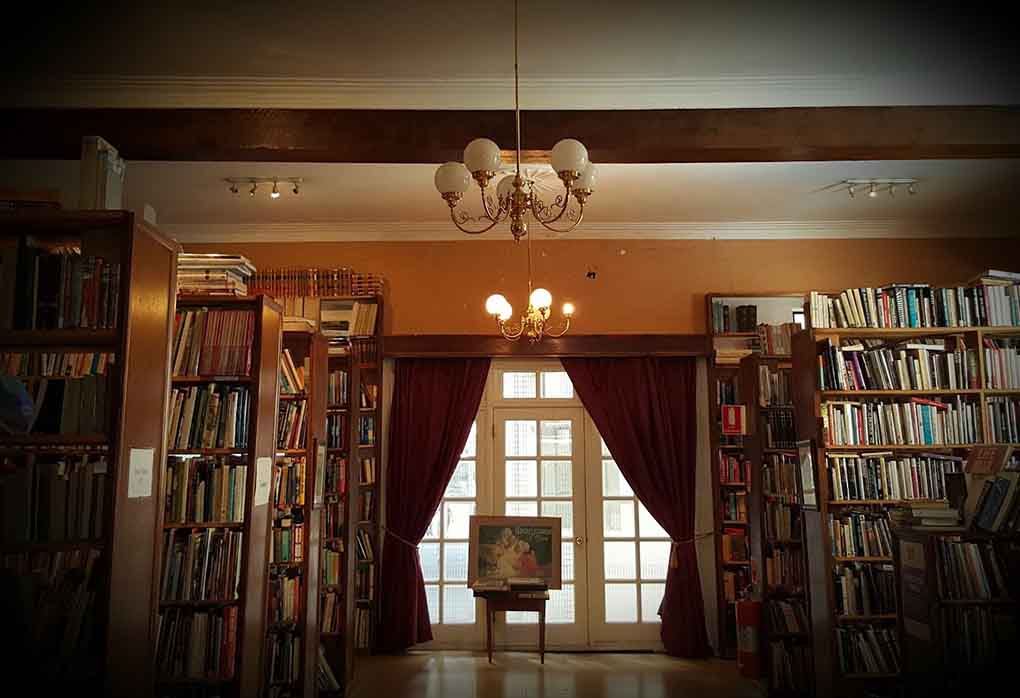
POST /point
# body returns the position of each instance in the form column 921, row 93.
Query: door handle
column 579, row 540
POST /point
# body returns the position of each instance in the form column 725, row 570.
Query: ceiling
column 724, row 200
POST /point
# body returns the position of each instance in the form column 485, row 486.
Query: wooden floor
column 519, row 675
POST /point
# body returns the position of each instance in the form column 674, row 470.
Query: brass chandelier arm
column 501, row 209
column 453, row 217
column 539, row 205
column 573, row 224
column 561, row 332
column 509, row 331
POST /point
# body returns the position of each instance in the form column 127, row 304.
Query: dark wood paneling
column 456, row 345
column 433, row 136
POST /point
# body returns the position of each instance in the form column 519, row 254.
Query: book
column 201, row 565
column 734, row 419
column 212, row 342
column 208, row 416
column 205, row 489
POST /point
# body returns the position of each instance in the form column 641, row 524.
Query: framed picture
column 504, row 547
column 806, row 461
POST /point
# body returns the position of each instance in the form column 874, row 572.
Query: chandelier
column 516, row 196
column 533, row 323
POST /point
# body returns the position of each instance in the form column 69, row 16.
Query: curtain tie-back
column 401, row 539
column 674, row 556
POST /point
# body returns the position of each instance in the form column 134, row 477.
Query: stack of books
column 213, row 274
column 933, row 515
column 777, row 340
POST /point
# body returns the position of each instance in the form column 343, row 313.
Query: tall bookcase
column 235, row 617
column 778, row 554
column 292, row 641
column 90, row 627
column 730, row 343
column 822, row 563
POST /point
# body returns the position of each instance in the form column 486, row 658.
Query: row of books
column 863, row 589
column 784, row 568
column 971, row 570
column 196, row 644
column 777, row 340
column 364, row 582
column 344, row 318
column 294, row 281
column 735, row 581
column 336, row 430
column 868, row 650
column 362, row 628
column 48, row 499
column 72, row 406
column 890, row 477
column 201, row 565
column 922, row 364
column 727, row 390
column 325, row 679
column 779, row 476
column 283, row 662
column 338, row 388
column 1003, row 419
column 213, row 342
column 368, row 505
column 857, row 534
column 368, row 471
column 205, row 490
column 998, row 502
column 786, row 616
column 364, row 351
column 791, row 668
column 291, row 424
column 289, row 483
column 213, row 274
column 333, row 520
column 779, row 429
column 782, row 521
column 363, row 540
column 288, row 541
column 1002, row 363
column 742, row 318
column 336, row 474
column 292, row 376
column 64, row 289
column 332, row 620
column 366, row 431
column 734, row 469
column 980, row 637
column 915, row 422
column 285, row 590
column 773, row 387
column 734, row 506
column 332, row 557
column 369, row 396
column 209, row 416
column 47, row 364
column 734, row 545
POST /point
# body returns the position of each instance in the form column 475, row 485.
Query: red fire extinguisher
column 748, row 638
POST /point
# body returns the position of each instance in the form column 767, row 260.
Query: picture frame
column 504, row 547
column 806, row 482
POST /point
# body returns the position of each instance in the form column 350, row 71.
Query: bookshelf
column 776, row 532
column 809, row 398
column 96, row 568
column 293, row 573
column 731, row 342
column 217, row 491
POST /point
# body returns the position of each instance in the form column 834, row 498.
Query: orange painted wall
column 643, row 287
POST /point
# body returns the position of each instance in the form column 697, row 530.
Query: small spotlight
column 872, row 192
column 850, row 191
column 233, row 188
column 892, row 191
column 911, row 189
column 276, row 191
column 254, row 188
column 296, row 191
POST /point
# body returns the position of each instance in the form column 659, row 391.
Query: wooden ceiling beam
column 618, row 136
column 456, row 345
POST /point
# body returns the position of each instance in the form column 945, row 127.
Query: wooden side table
column 496, row 601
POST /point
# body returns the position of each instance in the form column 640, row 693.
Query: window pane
column 651, row 597
column 654, row 559
column 470, row 447
column 433, row 530
column 429, row 555
column 621, row 603
column 619, row 560
column 560, row 606
column 613, row 484
column 432, row 598
column 456, row 520
column 521, row 478
column 618, row 518
column 458, row 605
column 565, row 512
column 648, row 527
column 556, row 384
column 455, row 562
column 518, row 617
column 605, row 450
column 462, row 482
column 557, row 478
column 556, row 437
column 567, row 561
column 521, row 438
column 519, row 384
column 519, row 508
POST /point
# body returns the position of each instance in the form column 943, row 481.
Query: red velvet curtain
column 645, row 409
column 434, row 403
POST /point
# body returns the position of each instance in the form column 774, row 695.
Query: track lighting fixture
column 276, row 191
column 871, row 192
column 892, row 191
column 850, row 190
column 876, row 185
column 910, row 189
column 254, row 188
column 295, row 188
column 233, row 188
column 254, row 183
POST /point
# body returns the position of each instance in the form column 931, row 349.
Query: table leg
column 488, row 629
column 541, row 636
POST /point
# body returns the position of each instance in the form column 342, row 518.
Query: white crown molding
column 404, row 231
column 725, row 91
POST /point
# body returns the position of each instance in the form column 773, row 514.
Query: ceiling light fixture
column 295, row 188
column 254, row 182
column 850, row 190
column 871, row 192
column 234, row 189
column 878, row 184
column 254, row 188
column 515, row 197
column 275, row 194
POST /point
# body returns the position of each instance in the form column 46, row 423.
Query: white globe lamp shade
column 540, row 298
column 568, row 309
column 506, row 312
column 587, row 178
column 569, row 155
column 505, row 187
column 482, row 155
column 495, row 303
column 452, row 177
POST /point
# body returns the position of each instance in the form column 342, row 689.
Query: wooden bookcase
column 112, row 652
column 308, row 349
column 262, row 382
column 821, row 563
column 772, row 487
